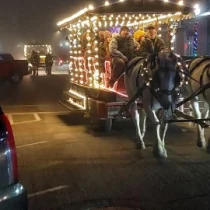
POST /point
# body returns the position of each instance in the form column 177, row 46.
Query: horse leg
column 159, row 150
column 191, row 114
column 165, row 128
column 136, row 118
column 143, row 116
column 205, row 114
column 201, row 142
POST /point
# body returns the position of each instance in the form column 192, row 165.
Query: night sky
column 22, row 21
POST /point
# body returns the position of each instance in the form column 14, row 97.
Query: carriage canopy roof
column 130, row 7
column 141, row 6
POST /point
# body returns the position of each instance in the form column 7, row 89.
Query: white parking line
column 36, row 116
column 22, row 113
column 47, row 191
column 32, row 144
column 26, row 105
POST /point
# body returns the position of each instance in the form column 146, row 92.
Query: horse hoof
column 160, row 153
column 201, row 144
column 140, row 145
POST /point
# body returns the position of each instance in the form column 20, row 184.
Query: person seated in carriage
column 139, row 35
column 100, row 36
column 123, row 48
column 104, row 53
column 152, row 44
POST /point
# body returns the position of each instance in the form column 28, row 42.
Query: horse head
column 165, row 78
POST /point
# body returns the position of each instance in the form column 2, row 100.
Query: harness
column 157, row 93
column 204, row 58
column 140, row 89
column 203, row 87
column 149, row 83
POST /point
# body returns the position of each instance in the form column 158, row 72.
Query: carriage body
column 88, row 80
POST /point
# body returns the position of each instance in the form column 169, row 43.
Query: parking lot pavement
column 62, row 165
column 65, row 163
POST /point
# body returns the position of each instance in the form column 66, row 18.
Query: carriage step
column 73, row 96
column 70, row 107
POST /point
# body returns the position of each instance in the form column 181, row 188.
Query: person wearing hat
column 139, row 36
column 115, row 35
column 152, row 44
column 104, row 49
column 122, row 48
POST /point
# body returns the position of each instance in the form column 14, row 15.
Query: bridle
column 154, row 86
column 148, row 77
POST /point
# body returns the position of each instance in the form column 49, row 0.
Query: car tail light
column 11, row 146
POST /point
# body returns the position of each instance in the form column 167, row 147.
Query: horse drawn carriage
column 89, row 92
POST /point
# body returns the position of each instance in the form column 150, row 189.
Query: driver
column 152, row 44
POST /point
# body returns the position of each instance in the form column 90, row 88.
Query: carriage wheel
column 106, row 125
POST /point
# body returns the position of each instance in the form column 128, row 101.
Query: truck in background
column 12, row 70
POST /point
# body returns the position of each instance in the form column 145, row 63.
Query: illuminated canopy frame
column 133, row 13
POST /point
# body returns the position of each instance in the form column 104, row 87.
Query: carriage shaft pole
column 133, row 99
column 199, row 91
column 190, row 120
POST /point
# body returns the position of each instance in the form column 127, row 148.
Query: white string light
column 81, row 12
column 91, row 7
column 87, row 71
column 106, row 3
column 181, row 3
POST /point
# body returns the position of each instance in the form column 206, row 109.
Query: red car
column 12, row 70
column 13, row 196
